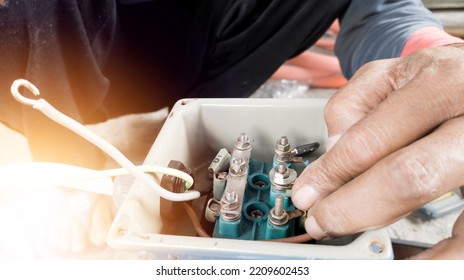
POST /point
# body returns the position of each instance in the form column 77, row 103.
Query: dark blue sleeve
column 377, row 29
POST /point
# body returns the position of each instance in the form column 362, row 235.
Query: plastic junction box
column 194, row 132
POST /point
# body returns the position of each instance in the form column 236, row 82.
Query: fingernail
column 332, row 140
column 313, row 228
column 305, row 197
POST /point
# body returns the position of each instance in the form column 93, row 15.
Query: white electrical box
column 195, row 130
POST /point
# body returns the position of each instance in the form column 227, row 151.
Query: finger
column 448, row 249
column 78, row 236
column 396, row 185
column 358, row 98
column 407, row 114
column 458, row 228
column 100, row 221
column 362, row 94
column 435, row 72
column 348, row 106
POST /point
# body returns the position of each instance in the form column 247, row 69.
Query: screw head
column 238, row 166
column 375, row 247
column 243, row 142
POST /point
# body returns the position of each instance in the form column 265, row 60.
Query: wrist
column 429, row 36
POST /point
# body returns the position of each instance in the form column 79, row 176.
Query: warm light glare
column 40, row 220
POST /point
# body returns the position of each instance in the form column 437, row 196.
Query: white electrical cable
column 51, row 175
column 48, row 110
column 144, row 168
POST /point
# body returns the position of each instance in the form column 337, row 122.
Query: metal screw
column 282, row 150
column 243, row 142
column 282, row 170
column 376, row 247
column 282, row 143
column 230, row 195
column 278, row 216
column 279, row 205
column 230, row 205
column 230, row 200
column 238, row 166
column 282, row 177
column 257, row 214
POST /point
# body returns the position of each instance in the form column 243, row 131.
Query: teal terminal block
column 259, row 199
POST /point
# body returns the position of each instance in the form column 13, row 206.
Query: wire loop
column 19, row 97
column 48, row 110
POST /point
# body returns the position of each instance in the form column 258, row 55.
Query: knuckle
column 415, row 177
column 339, row 168
column 374, row 65
column 363, row 144
column 365, row 147
column 334, row 107
column 439, row 61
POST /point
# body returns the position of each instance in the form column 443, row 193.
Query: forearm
column 377, row 29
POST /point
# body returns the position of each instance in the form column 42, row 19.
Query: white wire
column 73, row 181
column 48, row 110
column 144, row 168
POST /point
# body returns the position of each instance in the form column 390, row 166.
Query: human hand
column 54, row 224
column 396, row 143
column 81, row 225
column 450, row 248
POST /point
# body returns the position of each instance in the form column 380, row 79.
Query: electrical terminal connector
column 255, row 203
column 283, row 153
column 278, row 216
column 281, row 178
column 219, row 184
column 232, row 199
column 220, row 162
column 212, row 210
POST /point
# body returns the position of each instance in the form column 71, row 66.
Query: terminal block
column 255, row 201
